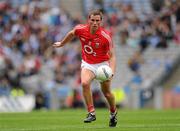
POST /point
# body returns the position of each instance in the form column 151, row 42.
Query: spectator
column 135, row 62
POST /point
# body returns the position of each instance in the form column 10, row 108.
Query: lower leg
column 88, row 98
column 86, row 78
column 111, row 101
column 105, row 87
column 89, row 104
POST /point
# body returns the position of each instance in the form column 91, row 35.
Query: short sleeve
column 78, row 29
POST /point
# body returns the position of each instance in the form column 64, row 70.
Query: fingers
column 57, row 44
column 111, row 77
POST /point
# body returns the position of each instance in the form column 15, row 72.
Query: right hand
column 57, row 44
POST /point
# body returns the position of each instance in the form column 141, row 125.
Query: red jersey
column 95, row 47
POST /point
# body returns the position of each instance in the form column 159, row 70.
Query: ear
column 88, row 20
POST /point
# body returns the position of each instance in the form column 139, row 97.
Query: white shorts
column 93, row 67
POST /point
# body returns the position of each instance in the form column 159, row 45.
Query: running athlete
column 97, row 49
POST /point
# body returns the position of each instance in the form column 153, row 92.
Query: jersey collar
column 97, row 31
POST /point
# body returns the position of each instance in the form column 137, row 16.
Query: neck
column 93, row 31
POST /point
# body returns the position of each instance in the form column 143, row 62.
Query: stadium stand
column 146, row 43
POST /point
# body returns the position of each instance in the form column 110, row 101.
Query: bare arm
column 113, row 60
column 69, row 36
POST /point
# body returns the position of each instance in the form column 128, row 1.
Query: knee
column 85, row 84
column 107, row 94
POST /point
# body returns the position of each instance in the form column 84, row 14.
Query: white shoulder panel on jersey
column 107, row 37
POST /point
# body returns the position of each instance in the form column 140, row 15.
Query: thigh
column 105, row 86
column 87, row 75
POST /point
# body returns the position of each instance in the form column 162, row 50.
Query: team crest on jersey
column 97, row 45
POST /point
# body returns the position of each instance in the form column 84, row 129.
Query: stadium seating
column 27, row 60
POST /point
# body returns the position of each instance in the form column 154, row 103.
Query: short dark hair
column 95, row 12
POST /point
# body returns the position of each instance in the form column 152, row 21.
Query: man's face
column 94, row 21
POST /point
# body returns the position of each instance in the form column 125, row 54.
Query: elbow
column 71, row 33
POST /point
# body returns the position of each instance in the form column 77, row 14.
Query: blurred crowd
column 28, row 31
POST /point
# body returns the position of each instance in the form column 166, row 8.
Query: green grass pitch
column 72, row 120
